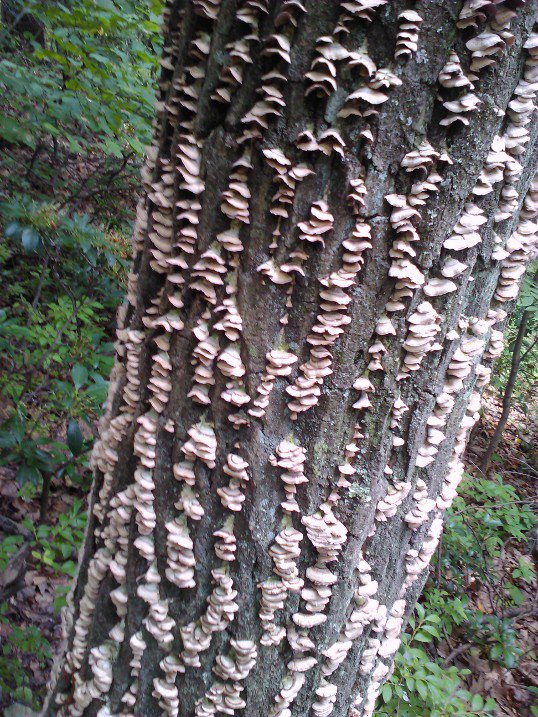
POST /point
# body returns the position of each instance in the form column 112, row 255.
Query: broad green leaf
column 422, row 689
column 30, row 239
column 477, row 703
column 421, row 637
column 79, row 374
column 98, row 392
column 75, row 440
column 515, row 593
column 13, row 230
column 28, row 474
column 386, row 692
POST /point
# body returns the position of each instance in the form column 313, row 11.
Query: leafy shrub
column 421, row 686
column 89, row 83
column 77, row 106
column 14, row 679
column 486, row 514
column 8, row 547
column 77, row 82
column 57, row 547
column 55, row 329
column 55, row 550
column 55, row 246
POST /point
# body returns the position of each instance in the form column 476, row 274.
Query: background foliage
column 76, row 85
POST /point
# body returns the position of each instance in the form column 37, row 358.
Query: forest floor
column 33, row 603
column 517, row 462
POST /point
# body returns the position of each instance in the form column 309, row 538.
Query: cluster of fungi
column 185, row 395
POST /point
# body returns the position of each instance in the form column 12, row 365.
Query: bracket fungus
column 459, row 108
column 408, row 31
column 388, row 506
column 452, row 75
column 233, row 668
column 363, row 9
column 465, row 233
column 202, row 444
column 279, row 364
column 291, row 458
column 485, row 47
column 320, row 222
column 180, row 555
column 226, row 545
column 424, row 325
column 221, row 610
column 274, row 594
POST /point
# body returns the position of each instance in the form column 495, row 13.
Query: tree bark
column 319, row 288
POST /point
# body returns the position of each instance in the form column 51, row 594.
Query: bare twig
column 493, row 506
column 13, row 528
column 44, row 498
column 455, row 652
column 518, row 612
column 529, row 349
column 12, row 578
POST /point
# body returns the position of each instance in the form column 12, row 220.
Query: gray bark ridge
column 339, row 206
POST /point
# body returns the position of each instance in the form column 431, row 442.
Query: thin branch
column 527, row 352
column 507, row 395
column 11, row 527
column 478, row 506
column 455, row 652
column 508, row 391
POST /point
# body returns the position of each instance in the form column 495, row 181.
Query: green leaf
column 75, row 440
column 28, row 474
column 431, row 630
column 525, row 571
column 13, row 230
column 386, row 692
column 422, row 689
column 98, row 392
column 515, row 593
column 136, row 145
column 114, row 148
column 30, row 239
column 69, row 568
column 17, row 426
column 421, row 637
column 7, row 439
column 79, row 374
column 477, row 703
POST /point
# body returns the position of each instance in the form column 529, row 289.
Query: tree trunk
column 332, row 234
